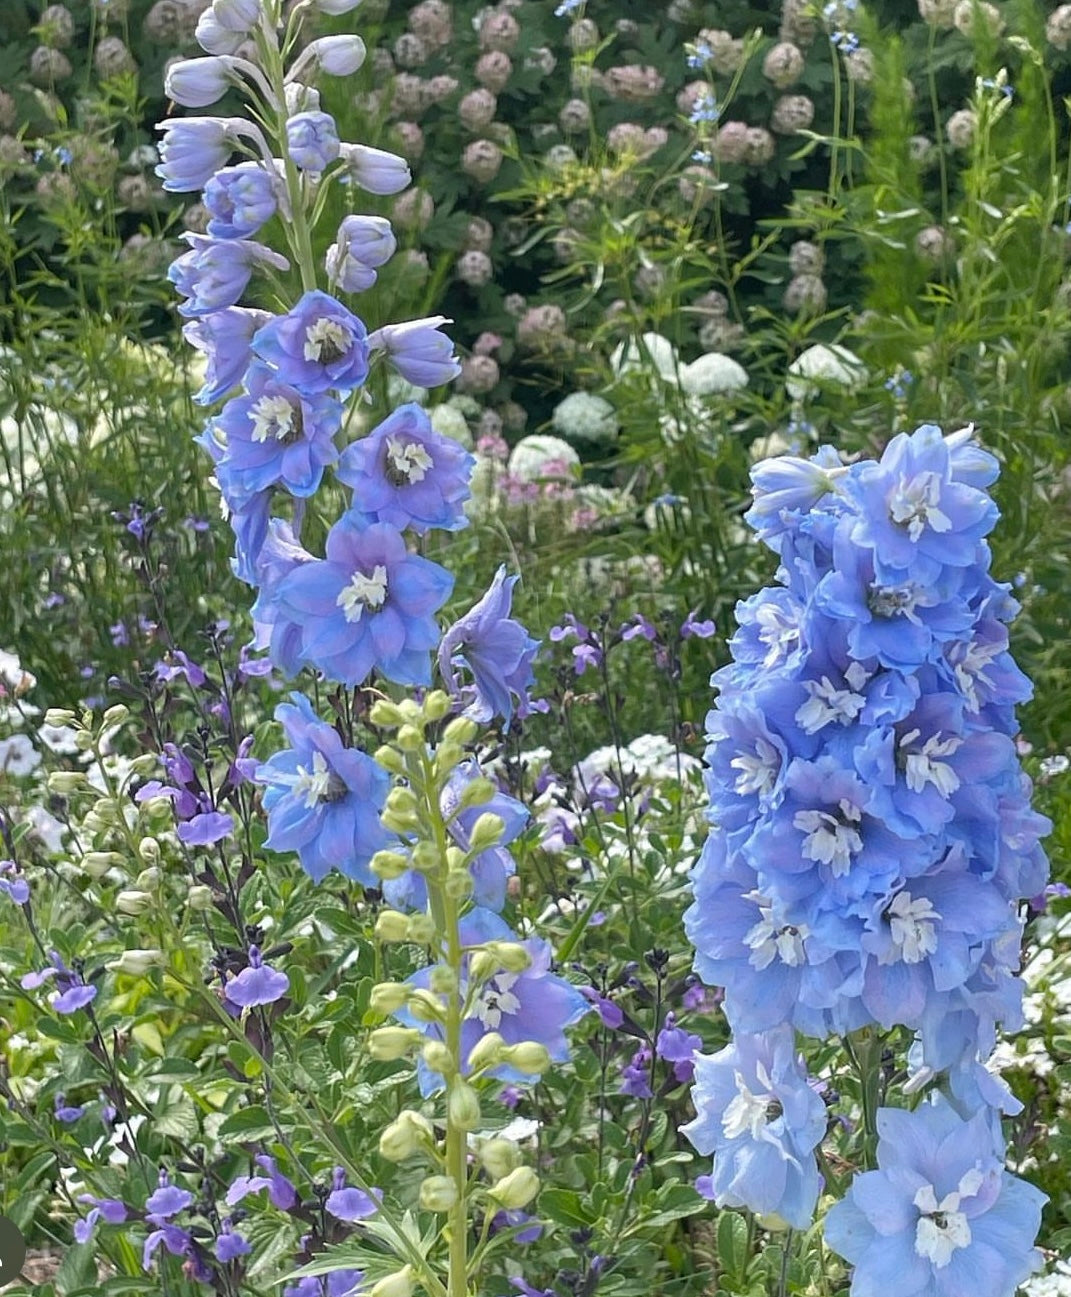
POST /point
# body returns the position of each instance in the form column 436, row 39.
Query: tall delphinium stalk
column 418, row 817
column 872, row 842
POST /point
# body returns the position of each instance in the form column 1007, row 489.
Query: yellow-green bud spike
column 517, row 1189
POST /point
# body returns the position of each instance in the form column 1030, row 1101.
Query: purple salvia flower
column 167, row 1199
column 14, row 885
column 230, row 1244
column 111, row 1210
column 177, row 1241
column 281, row 1192
column 636, row 1075
column 347, row 1203
column 72, row 994
column 206, row 829
column 610, row 1014
column 65, row 1112
column 692, row 627
column 638, row 627
column 257, row 983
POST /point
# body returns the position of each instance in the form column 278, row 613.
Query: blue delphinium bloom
column 323, row 799
column 405, row 473
column 497, row 651
column 368, row 604
column 940, row 1217
column 418, row 350
column 213, row 274
column 312, row 140
column 317, row 346
column 275, row 434
column 280, row 554
column 193, row 149
column 362, row 245
column 226, row 338
column 762, row 1121
column 532, row 1005
column 240, row 200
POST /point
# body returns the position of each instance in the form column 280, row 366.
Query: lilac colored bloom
column 72, row 993
column 240, row 199
column 206, row 829
column 14, row 885
column 281, row 1192
column 167, row 1199
column 940, row 1217
column 638, row 627
column 526, row 1228
column 610, row 1014
column 213, row 274
column 312, row 140
column 522, row 1286
column 636, row 1075
column 317, row 346
column 496, row 650
column 178, row 665
column 586, row 657
column 405, row 473
column 65, row 1112
column 368, row 604
column 674, row 1044
column 347, row 1203
column 374, row 170
column 323, row 799
column 692, row 627
column 362, row 245
column 257, row 983
column 226, row 338
column 418, row 350
column 230, row 1244
column 762, row 1121
column 193, row 149
column 280, row 554
column 275, row 435
column 110, row 1210
column 177, row 1241
column 196, row 83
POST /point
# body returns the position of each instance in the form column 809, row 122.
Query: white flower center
column 942, row 1227
column 407, row 462
column 830, row 839
column 915, row 504
column 912, row 928
column 778, row 632
column 969, row 662
column 320, row 784
column 894, row 601
column 924, row 767
column 272, row 416
column 758, row 769
column 750, row 1113
column 326, row 340
column 769, row 940
column 827, row 703
column 363, row 592
column 496, row 999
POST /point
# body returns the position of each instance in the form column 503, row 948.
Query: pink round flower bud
column 574, row 117
column 761, row 146
column 408, row 139
column 136, row 194
column 541, row 325
column 585, row 76
column 432, row 21
column 565, row 244
column 933, row 244
column 111, row 58
column 515, row 304
column 960, row 128
column 56, row 26
column 494, row 70
column 805, row 295
column 196, row 217
column 1058, row 27
column 382, row 64
column 477, row 109
column 922, row 150
column 798, row 22
column 722, row 335
column 413, row 210
column 712, row 303
column 783, row 65
column 489, row 425
column 145, row 255
column 806, row 258
column 626, row 138
column 481, row 160
column 442, row 87
column 730, row 143
column 410, row 51
column 583, row 35
column 634, row 83
column 48, row 65
column 413, row 267
column 859, row 65
column 479, row 234
column 55, row 189
column 499, row 31
column 542, row 59
column 649, row 281
column 93, row 162
column 409, row 95
column 791, row 114
column 938, row 13
column 695, row 184
column 474, row 268
column 514, row 416
column 167, row 22
column 690, row 95
column 486, row 343
column 627, row 29
column 479, row 375
column 726, row 52
column 965, row 16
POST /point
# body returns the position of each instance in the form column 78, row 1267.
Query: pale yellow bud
column 438, row 1057
column 136, row 962
column 116, row 715
column 437, row 705
column 388, row 1043
column 132, row 902
column 420, row 929
column 487, row 1052
column 389, row 864
column 447, row 756
column 402, row 801
column 409, row 738
column 199, row 897
column 458, row 884
column 60, row 717
column 146, row 764
column 84, row 741
column 455, row 859
column 385, row 715
column 97, row 863
column 463, row 1105
column 487, row 831
column 391, row 925
column 65, row 781
column 443, row 979
column 529, row 1057
column 149, row 851
column 499, row 1157
column 477, row 792
column 511, row 955
column 390, row 759
column 438, row 1193
column 388, row 997
column 461, row 730
column 93, row 822
column 426, row 857
column 399, row 1284
column 406, row 1135
column 482, row 965
column 517, row 1189
column 425, row 1006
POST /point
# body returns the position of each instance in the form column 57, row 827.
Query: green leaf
column 249, row 1123
column 564, row 1206
column 732, row 1246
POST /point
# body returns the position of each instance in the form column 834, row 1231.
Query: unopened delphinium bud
column 529, row 1057
column 388, row 997
column 487, row 831
column 437, row 1055
column 438, row 1193
column 517, row 1189
column 463, row 1105
column 388, row 864
column 386, row 1044
column 487, row 1052
column 392, row 926
column 136, row 962
column 408, row 1134
column 399, row 1284
column 499, row 1157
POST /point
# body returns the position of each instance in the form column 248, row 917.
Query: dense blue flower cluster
column 872, row 834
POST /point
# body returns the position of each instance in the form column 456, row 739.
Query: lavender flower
column 167, row 1199
column 347, row 1203
column 226, row 338
column 111, row 1210
column 312, row 140
column 213, row 275
column 73, row 992
column 318, row 345
column 256, row 984
column 281, row 1193
column 240, row 199
column 363, row 244
column 418, row 351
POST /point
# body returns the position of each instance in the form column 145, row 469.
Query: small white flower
column 818, row 366
column 582, row 416
column 538, row 457
column 713, row 374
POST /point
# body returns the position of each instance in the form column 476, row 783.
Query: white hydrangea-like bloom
column 538, row 457
column 628, row 358
column 582, row 416
column 824, row 366
column 450, row 422
column 713, row 374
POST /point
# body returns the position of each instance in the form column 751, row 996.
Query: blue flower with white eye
column 940, row 1217
column 759, row 1116
column 317, row 346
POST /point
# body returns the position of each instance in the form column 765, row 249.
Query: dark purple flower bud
column 635, row 1075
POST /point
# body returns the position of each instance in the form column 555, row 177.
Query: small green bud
column 458, row 884
column 136, row 962
column 511, row 955
column 447, row 756
column 134, row 903
column 60, row 717
column 528, row 1057
column 145, row 764
column 406, row 1135
column 388, row 997
column 92, row 822
column 402, row 801
column 439, row 1058
column 482, row 965
column 463, row 1105
column 389, row 864
column 392, row 925
column 399, row 1284
column 390, row 759
column 426, row 857
column 149, row 851
column 443, row 979
column 200, row 897
column 455, row 859
column 148, row 878
column 438, row 1193
column 402, row 824
column 487, row 831
column 97, row 863
column 517, row 1189
column 499, row 1157
column 388, row 1043
column 487, row 1052
column 116, row 715
column 410, row 711
column 461, row 730
column 420, row 929
column 409, row 738
column 65, row 781
column 84, row 741
column 477, row 792
column 437, row 705
column 385, row 715
column 425, row 1006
